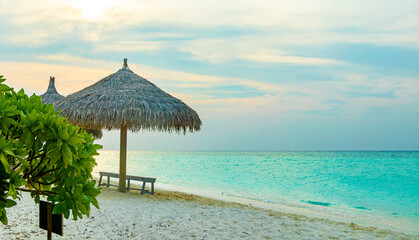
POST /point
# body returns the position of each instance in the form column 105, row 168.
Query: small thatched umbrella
column 124, row 100
column 51, row 96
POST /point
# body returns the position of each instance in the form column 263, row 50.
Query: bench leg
column 108, row 182
column 152, row 188
column 142, row 189
column 100, row 180
column 128, row 184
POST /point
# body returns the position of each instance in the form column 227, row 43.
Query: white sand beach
column 175, row 215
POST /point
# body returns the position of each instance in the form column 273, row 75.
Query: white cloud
column 250, row 48
column 352, row 93
column 68, row 58
column 32, row 25
column 128, row 46
column 298, row 22
column 268, row 58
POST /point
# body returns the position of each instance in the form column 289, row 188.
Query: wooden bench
column 129, row 179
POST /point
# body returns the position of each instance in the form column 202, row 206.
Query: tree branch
column 38, row 192
column 52, row 170
column 34, row 169
column 14, row 131
column 14, row 169
column 50, row 183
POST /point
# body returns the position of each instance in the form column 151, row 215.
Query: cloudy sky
column 262, row 75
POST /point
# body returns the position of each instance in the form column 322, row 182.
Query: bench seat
column 129, row 179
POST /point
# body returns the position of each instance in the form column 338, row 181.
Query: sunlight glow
column 92, row 9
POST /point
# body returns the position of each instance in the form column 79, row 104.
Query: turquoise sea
column 377, row 187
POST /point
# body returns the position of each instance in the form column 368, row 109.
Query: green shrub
column 42, row 153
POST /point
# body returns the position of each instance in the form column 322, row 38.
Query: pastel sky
column 262, row 75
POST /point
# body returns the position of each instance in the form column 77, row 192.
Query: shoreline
column 314, row 211
column 276, row 207
column 174, row 215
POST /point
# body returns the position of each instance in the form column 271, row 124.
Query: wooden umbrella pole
column 123, row 159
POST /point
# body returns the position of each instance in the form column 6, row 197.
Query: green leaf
column 32, row 116
column 5, row 163
column 37, row 198
column 57, row 208
column 10, row 203
column 8, row 152
column 4, row 88
column 66, row 212
column 63, row 134
column 67, row 154
column 55, row 155
column 2, row 143
column 29, row 139
column 74, row 212
column 12, row 191
column 24, row 120
column 81, row 207
column 75, row 141
column 9, row 121
column 95, row 203
column 37, row 127
column 3, row 218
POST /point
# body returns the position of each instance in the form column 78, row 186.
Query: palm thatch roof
column 51, row 95
column 126, row 99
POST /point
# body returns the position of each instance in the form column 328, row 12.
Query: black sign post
column 53, row 223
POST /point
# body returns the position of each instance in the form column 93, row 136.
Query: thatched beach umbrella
column 51, row 95
column 124, row 100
